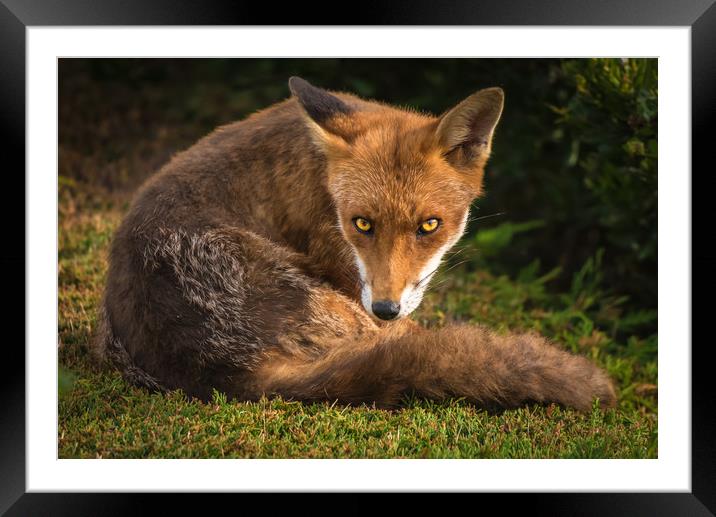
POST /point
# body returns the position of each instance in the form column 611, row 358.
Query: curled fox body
column 280, row 255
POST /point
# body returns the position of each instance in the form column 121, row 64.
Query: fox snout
column 384, row 295
column 393, row 288
column 386, row 309
column 390, row 304
column 383, row 305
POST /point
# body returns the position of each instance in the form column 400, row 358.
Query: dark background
column 571, row 186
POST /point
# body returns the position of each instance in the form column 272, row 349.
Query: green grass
column 101, row 416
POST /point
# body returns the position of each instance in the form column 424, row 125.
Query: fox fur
column 238, row 266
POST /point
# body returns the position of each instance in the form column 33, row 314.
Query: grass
column 100, row 416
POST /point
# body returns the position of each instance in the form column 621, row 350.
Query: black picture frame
column 700, row 15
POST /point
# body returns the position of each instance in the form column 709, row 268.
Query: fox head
column 402, row 184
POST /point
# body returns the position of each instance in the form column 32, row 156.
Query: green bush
column 611, row 123
column 584, row 164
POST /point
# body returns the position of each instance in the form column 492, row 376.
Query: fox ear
column 464, row 133
column 320, row 105
column 323, row 113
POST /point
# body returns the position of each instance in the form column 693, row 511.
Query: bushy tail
column 487, row 369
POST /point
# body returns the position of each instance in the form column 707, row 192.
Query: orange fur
column 239, row 266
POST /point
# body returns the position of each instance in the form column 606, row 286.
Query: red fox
column 280, row 256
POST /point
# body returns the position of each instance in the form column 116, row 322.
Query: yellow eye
column 363, row 225
column 429, row 226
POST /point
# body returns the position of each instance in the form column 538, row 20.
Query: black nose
column 385, row 309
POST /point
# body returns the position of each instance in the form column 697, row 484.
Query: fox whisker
column 426, row 277
column 473, row 219
column 464, row 261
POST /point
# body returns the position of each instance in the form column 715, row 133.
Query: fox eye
column 363, row 225
column 429, row 226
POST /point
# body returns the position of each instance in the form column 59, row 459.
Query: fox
column 282, row 254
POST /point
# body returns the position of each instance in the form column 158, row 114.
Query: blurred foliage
column 572, row 183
